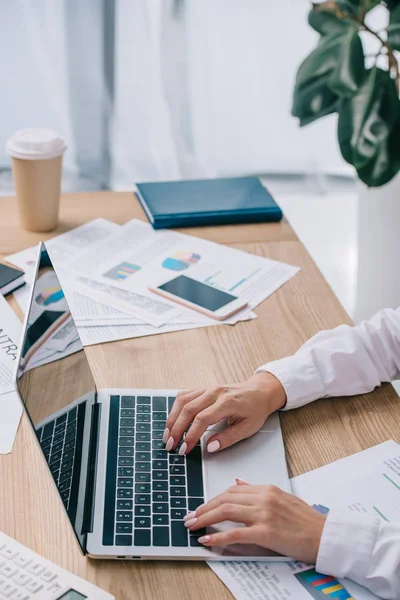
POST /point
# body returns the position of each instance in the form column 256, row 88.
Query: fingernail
column 190, row 515
column 214, row 446
column 182, row 449
column 191, row 522
column 166, row 435
column 170, row 443
column 204, row 539
column 241, row 481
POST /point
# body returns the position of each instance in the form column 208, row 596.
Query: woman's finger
column 240, row 496
column 237, row 535
column 209, row 416
column 185, row 418
column 237, row 513
column 181, row 399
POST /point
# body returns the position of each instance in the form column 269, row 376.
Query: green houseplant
column 364, row 90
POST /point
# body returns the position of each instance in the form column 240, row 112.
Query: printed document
column 367, row 482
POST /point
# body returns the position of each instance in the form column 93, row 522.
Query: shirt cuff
column 299, row 378
column 347, row 544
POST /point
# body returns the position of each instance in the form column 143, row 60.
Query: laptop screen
column 57, row 387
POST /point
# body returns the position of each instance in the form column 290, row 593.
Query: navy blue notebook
column 207, row 202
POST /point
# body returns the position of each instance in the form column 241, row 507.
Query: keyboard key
column 160, row 454
column 72, row 415
column 143, row 409
column 124, row 493
column 22, row 578
column 143, row 510
column 160, row 496
column 127, row 412
column 68, row 464
column 58, row 438
column 127, row 401
column 142, row 456
column 125, row 461
column 178, row 534
column 178, row 491
column 69, row 445
column 195, row 502
column 123, row 528
column 8, row 570
column 160, row 508
column 159, row 416
column 143, row 399
column 60, row 429
column 46, row 443
column 70, row 427
column 142, row 447
column 142, row 537
column 157, row 435
column 127, row 431
column 70, row 436
column 171, row 400
column 124, row 482
column 48, row 430
column 177, row 469
column 125, row 504
column 158, row 425
column 160, row 519
column 194, row 542
column 143, row 428
column 177, row 480
column 160, row 485
column 7, row 589
column 68, row 455
column 142, row 522
column 65, row 495
column 142, row 488
column 36, row 568
column 160, row 536
column 126, row 515
column 126, row 441
column 160, row 464
column 61, row 419
column 142, row 467
column 127, row 422
column 34, row 586
column 178, row 513
column 57, row 447
column 194, row 472
column 143, row 437
column 22, row 561
column 142, row 498
column 158, row 445
column 64, row 486
column 143, row 418
column 125, row 471
column 159, row 403
column 160, row 475
column 178, row 502
column 66, row 475
column 176, row 459
column 125, row 451
column 142, row 477
column 123, row 540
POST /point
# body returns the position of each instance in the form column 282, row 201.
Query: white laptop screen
column 57, row 387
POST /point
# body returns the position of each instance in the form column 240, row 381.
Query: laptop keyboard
column 58, row 440
column 148, row 490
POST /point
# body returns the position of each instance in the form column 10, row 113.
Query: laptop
column 124, row 495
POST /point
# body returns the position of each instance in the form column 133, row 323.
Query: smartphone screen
column 198, row 293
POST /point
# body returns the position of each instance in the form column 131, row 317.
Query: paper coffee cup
column 36, row 156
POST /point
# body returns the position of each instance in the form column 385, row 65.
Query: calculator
column 25, row 575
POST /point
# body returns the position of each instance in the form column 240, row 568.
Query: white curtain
column 163, row 89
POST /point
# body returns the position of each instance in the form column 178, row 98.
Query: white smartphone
column 201, row 297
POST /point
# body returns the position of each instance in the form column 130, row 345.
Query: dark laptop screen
column 57, row 387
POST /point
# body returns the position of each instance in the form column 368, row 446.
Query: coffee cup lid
column 35, row 144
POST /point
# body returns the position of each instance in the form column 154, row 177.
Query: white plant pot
column 378, row 280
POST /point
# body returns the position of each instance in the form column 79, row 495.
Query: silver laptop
column 124, row 495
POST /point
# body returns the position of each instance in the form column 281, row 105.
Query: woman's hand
column 274, row 519
column 245, row 405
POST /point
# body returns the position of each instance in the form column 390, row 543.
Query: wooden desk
column 315, row 435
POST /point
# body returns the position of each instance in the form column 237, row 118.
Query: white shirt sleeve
column 364, row 549
column 342, row 362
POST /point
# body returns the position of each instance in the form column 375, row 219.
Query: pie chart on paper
column 181, row 260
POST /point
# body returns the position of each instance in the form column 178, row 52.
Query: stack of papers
column 367, row 482
column 106, row 269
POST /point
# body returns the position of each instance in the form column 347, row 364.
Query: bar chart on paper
column 322, row 586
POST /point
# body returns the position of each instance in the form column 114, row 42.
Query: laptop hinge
column 88, row 512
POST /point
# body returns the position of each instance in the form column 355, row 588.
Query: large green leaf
column 367, row 119
column 394, row 28
column 314, row 101
column 320, row 62
column 386, row 163
column 331, row 17
column 349, row 72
